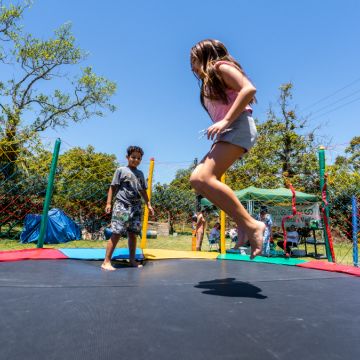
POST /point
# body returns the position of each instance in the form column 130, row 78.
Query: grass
column 181, row 242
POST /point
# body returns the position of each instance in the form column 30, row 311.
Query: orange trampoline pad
column 328, row 266
column 31, row 254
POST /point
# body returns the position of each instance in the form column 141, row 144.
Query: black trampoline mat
column 176, row 309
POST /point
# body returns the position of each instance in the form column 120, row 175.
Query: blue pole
column 355, row 229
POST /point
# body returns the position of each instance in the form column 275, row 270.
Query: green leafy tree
column 182, row 179
column 353, row 150
column 23, row 192
column 81, row 183
column 9, row 17
column 23, row 96
column 172, row 204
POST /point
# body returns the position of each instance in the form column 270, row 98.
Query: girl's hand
column 216, row 129
column 108, row 208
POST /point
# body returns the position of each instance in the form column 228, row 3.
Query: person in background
column 200, row 229
column 233, row 234
column 214, row 236
column 215, row 232
column 265, row 217
column 292, row 239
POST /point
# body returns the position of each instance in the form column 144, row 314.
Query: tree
column 38, row 61
column 23, row 192
column 182, row 179
column 81, row 183
column 282, row 153
column 172, row 204
column 354, row 151
column 9, row 17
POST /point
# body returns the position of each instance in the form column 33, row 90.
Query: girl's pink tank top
column 216, row 108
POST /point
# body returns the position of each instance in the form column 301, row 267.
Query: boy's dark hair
column 132, row 149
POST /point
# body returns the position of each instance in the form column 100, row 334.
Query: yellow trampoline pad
column 158, row 254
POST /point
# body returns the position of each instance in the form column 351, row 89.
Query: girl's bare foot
column 107, row 266
column 256, row 239
column 242, row 238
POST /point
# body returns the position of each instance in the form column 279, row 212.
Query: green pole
column 322, row 182
column 48, row 195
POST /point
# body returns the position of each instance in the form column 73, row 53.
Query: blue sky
column 144, row 47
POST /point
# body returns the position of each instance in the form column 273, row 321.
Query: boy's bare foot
column 256, row 239
column 135, row 264
column 107, row 266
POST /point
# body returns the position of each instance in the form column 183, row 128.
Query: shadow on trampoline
column 229, row 287
column 124, row 264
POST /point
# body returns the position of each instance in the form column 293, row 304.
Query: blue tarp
column 60, row 228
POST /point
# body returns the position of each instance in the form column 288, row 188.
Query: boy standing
column 128, row 185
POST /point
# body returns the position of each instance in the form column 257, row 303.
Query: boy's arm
column 112, row 190
column 147, row 201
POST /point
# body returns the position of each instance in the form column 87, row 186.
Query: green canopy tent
column 278, row 196
column 279, row 203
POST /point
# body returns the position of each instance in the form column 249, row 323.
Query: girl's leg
column 199, row 240
column 132, row 249
column 110, row 247
column 205, row 180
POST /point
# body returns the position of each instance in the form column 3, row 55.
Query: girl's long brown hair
column 208, row 52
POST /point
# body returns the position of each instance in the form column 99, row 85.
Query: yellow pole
column 146, row 212
column 193, row 240
column 222, row 225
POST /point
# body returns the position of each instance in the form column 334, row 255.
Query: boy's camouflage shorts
column 126, row 219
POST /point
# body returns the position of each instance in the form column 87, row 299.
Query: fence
column 83, row 176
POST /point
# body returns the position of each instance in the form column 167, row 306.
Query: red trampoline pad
column 31, row 254
column 328, row 266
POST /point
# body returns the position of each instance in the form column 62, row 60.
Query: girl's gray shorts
column 242, row 132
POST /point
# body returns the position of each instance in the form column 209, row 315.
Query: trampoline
column 176, row 309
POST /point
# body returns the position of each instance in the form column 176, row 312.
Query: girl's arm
column 200, row 222
column 235, row 80
column 147, row 201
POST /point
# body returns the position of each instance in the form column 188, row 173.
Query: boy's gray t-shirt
column 129, row 183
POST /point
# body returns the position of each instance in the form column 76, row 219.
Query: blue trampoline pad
column 99, row 254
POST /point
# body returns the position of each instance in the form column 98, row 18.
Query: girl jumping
column 226, row 94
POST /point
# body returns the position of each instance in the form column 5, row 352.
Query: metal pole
column 146, row 211
column 321, row 154
column 49, row 190
column 355, row 230
column 222, row 224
